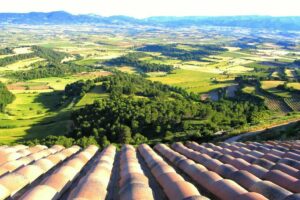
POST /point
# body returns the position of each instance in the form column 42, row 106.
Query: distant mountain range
column 61, row 17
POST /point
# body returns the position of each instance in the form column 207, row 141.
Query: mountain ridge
column 62, row 17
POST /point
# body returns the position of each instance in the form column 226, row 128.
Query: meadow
column 95, row 94
column 20, row 65
column 294, row 85
column 32, row 113
column 195, row 81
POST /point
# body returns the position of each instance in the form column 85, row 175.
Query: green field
column 249, row 89
column 32, row 104
column 294, row 85
column 271, row 86
column 95, row 94
column 10, row 135
column 195, row 81
column 32, row 115
column 87, row 62
column 57, row 83
column 266, row 85
column 20, row 65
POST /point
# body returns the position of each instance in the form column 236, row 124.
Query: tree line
column 171, row 50
column 64, row 141
column 48, row 54
column 132, row 59
column 77, row 89
column 12, row 59
column 6, row 97
column 51, row 56
column 49, row 70
column 6, row 51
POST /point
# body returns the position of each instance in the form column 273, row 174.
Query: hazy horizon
column 146, row 8
column 247, row 15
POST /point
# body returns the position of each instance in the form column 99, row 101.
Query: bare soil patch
column 94, row 74
column 28, row 86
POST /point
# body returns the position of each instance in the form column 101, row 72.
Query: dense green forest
column 65, row 141
column 6, row 51
column 12, row 59
column 132, row 59
column 48, row 54
column 136, row 85
column 78, row 89
column 171, row 50
column 6, row 97
column 50, row 70
column 139, row 112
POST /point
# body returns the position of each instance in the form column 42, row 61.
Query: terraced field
column 293, row 102
column 290, row 99
column 274, row 103
column 191, row 171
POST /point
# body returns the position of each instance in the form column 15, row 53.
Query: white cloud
column 144, row 8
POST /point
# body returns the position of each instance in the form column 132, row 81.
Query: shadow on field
column 274, row 63
column 49, row 100
column 58, row 124
column 54, row 121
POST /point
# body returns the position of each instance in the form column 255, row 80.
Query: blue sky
column 146, row 8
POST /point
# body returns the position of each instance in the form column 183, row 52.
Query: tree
column 104, row 142
column 6, row 97
column 124, row 134
column 86, row 141
column 78, row 88
column 139, row 139
column 52, row 140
